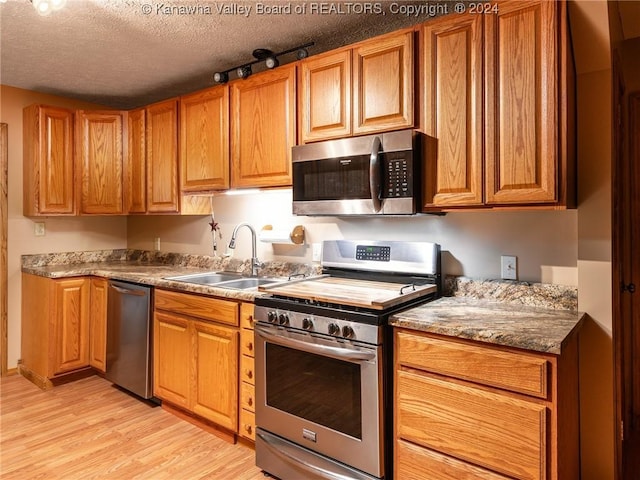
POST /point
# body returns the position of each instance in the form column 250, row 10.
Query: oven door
column 322, row 394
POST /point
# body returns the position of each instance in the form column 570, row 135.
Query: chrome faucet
column 255, row 263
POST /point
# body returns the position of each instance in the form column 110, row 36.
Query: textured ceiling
column 127, row 53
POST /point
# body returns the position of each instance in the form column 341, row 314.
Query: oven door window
column 322, row 390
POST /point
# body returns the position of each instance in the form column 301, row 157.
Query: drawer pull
column 248, row 428
column 250, row 346
column 250, row 401
column 248, row 373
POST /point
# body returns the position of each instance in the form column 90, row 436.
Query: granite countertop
column 532, row 316
column 150, row 269
column 500, row 323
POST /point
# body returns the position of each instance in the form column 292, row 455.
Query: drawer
column 246, row 342
column 493, row 430
column 247, row 396
column 413, row 461
column 518, row 372
column 247, row 373
column 208, row 308
column 246, row 315
column 247, row 425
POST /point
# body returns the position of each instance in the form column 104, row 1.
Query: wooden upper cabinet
column 383, row 83
column 204, row 140
column 325, row 96
column 100, row 157
column 135, row 185
column 49, row 182
column 162, row 157
column 521, row 148
column 451, row 69
column 263, row 128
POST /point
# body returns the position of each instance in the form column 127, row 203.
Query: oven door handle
column 325, row 350
column 374, row 175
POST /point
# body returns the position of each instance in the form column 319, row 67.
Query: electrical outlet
column 317, row 251
column 156, row 243
column 509, row 267
column 39, row 229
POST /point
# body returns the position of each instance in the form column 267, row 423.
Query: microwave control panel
column 398, row 175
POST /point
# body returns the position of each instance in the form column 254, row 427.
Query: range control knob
column 307, row 324
column 347, row 332
column 283, row 319
column 272, row 317
column 334, row 329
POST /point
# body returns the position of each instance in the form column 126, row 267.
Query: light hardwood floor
column 90, row 429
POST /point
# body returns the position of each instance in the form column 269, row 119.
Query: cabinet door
column 325, row 96
column 263, row 128
column 383, row 83
column 172, row 359
column 70, row 322
column 204, row 140
column 215, row 391
column 521, row 103
column 162, row 157
column 98, row 324
column 49, row 185
column 452, row 91
column 100, row 158
column 135, row 186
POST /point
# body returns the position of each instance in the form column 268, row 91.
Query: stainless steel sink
column 208, row 278
column 234, row 281
column 245, row 283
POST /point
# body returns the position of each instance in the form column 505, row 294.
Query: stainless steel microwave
column 378, row 174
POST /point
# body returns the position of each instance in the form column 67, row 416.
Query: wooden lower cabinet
column 195, row 358
column 461, row 413
column 98, row 324
column 55, row 327
column 247, row 428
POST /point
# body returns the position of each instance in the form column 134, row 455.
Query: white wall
column 545, row 242
column 62, row 235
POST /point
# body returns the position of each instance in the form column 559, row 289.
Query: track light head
column 302, row 53
column 272, row 62
column 243, row 71
column 221, row 77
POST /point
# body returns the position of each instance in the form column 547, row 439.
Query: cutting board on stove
column 347, row 291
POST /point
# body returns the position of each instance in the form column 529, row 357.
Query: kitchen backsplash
column 545, row 295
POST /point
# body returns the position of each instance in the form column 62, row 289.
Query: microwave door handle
column 374, row 175
column 358, row 356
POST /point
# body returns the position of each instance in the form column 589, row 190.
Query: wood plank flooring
column 90, row 429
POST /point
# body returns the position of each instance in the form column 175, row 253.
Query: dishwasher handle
column 127, row 291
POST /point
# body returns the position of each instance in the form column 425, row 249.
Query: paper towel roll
column 293, row 237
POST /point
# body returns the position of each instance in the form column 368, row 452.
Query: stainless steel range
column 323, row 359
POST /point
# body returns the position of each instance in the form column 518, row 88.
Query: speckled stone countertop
column 152, row 268
column 490, row 321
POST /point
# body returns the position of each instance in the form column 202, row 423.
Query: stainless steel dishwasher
column 129, row 360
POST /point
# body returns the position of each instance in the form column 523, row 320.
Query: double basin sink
column 224, row 280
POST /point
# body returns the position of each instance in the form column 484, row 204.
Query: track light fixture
column 260, row 54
